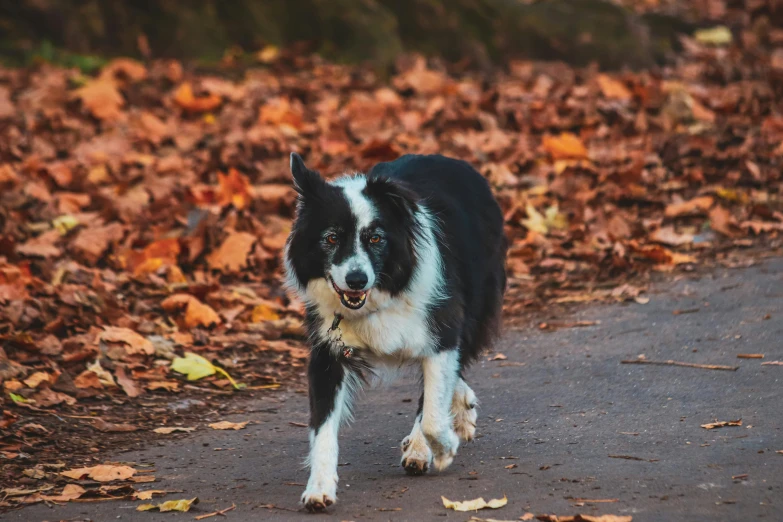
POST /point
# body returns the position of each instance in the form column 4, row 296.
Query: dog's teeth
column 363, row 297
column 346, row 297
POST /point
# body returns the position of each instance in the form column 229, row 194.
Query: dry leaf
column 148, row 494
column 185, row 98
column 721, row 424
column 102, row 98
column 172, row 429
column 196, row 312
column 475, row 504
column 37, row 378
column 233, row 252
column 70, row 492
column 564, row 146
column 226, row 425
column 698, row 205
column 613, row 89
column 133, row 342
column 101, row 473
column 170, row 505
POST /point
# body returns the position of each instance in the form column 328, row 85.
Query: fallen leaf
column 196, row 312
column 226, row 425
column 613, row 89
column 194, row 366
column 232, row 254
column 699, row 205
column 69, row 492
column 101, row 473
column 172, row 429
column 102, row 98
column 475, row 504
column 37, row 378
column 170, row 505
column 564, row 146
column 111, row 427
column 234, row 189
column 149, row 493
column 127, row 384
column 133, row 342
column 718, row 35
column 721, row 424
column 185, row 98
column 668, row 236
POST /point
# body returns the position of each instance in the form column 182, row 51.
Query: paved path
column 558, row 417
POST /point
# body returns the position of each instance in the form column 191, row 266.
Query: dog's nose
column 356, row 280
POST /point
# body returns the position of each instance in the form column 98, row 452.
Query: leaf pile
column 143, row 211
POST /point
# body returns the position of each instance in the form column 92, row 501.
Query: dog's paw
column 317, row 501
column 444, row 448
column 416, row 455
column 320, row 494
column 465, row 423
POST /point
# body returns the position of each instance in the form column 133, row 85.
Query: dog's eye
column 375, row 238
column 332, row 239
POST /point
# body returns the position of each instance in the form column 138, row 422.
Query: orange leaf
column 185, row 98
column 196, row 312
column 133, row 343
column 697, row 205
column 234, row 188
column 613, row 89
column 102, row 99
column 232, row 254
column 565, row 146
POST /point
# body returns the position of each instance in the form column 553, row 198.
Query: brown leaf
column 70, row 492
column 127, row 384
column 102, row 99
column 721, row 424
column 668, row 236
column 699, row 205
column 88, row 379
column 37, row 378
column 7, row 109
column 226, row 425
column 234, row 188
column 111, row 427
column 232, row 254
column 723, row 222
column 196, row 312
column 91, row 243
column 41, row 246
column 101, row 473
column 132, row 342
column 613, row 89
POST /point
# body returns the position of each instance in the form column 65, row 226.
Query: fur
column 411, row 256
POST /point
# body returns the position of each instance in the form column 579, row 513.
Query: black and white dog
column 402, row 265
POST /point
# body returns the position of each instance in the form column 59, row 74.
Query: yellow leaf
column 263, row 312
column 268, row 54
column 226, row 425
column 65, row 224
column 147, row 495
column 170, row 505
column 194, row 366
column 719, row 35
column 542, row 223
column 475, row 504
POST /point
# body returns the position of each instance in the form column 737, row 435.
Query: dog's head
column 352, row 243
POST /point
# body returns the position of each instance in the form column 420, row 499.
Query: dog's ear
column 306, row 181
column 396, row 194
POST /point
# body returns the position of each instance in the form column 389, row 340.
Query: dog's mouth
column 350, row 298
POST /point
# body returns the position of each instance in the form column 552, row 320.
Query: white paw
column 444, row 447
column 465, row 423
column 320, row 493
column 416, row 454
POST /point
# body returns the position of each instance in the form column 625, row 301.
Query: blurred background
column 482, row 32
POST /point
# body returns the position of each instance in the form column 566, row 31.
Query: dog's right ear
column 306, row 181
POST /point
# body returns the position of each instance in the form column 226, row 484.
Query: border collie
column 404, row 265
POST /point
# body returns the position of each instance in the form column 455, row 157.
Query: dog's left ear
column 306, row 181
column 396, row 194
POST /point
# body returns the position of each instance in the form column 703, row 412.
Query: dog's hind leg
column 463, row 408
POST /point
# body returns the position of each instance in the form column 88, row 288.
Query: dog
column 402, row 266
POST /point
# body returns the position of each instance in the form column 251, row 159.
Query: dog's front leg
column 440, row 377
column 330, row 396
